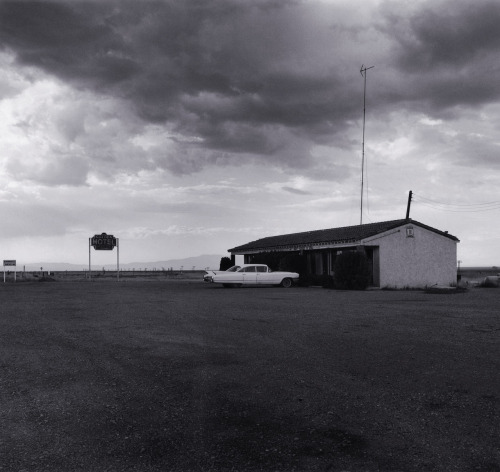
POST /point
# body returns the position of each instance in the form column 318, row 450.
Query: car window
column 248, row 269
column 233, row 269
column 261, row 269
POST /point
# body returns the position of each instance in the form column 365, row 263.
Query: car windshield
column 233, row 269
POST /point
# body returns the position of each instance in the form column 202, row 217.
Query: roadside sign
column 103, row 242
column 7, row 263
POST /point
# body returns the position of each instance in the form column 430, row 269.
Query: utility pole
column 363, row 73
column 408, row 205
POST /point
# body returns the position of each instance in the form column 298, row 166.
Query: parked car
column 491, row 281
column 255, row 274
column 210, row 273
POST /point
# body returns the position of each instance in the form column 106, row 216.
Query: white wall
column 239, row 259
column 426, row 259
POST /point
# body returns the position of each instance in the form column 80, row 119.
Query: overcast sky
column 187, row 127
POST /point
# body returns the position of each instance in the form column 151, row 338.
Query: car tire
column 286, row 283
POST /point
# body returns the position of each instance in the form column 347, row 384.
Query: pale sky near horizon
column 191, row 127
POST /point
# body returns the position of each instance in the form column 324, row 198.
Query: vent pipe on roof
column 410, row 194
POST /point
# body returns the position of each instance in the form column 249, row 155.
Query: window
column 261, row 268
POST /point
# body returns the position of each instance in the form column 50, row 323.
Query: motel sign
column 103, row 242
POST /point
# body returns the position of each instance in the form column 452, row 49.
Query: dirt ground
column 177, row 375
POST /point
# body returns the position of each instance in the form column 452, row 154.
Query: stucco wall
column 425, row 259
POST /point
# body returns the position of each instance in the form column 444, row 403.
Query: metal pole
column 363, row 73
column 117, row 259
column 90, row 270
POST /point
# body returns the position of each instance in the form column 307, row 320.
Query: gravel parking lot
column 177, row 375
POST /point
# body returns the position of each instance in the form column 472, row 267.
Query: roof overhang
column 297, row 247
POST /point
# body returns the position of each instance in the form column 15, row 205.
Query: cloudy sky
column 187, row 127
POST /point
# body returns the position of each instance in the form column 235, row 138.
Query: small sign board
column 6, row 263
column 103, row 242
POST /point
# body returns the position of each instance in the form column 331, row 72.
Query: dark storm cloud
column 221, row 70
column 64, row 42
column 447, row 52
column 256, row 78
column 450, row 34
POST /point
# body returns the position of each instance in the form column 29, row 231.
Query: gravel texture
column 177, row 375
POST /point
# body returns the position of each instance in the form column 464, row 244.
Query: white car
column 210, row 273
column 255, row 274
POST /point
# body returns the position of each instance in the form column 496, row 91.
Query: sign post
column 105, row 242
column 9, row 262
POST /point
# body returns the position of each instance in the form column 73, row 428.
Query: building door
column 372, row 254
column 324, row 256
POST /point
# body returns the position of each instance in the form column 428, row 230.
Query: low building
column 401, row 253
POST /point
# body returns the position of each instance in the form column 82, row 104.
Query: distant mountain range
column 212, row 261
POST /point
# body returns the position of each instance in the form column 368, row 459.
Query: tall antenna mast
column 363, row 73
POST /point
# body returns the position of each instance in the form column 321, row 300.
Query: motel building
column 401, row 253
